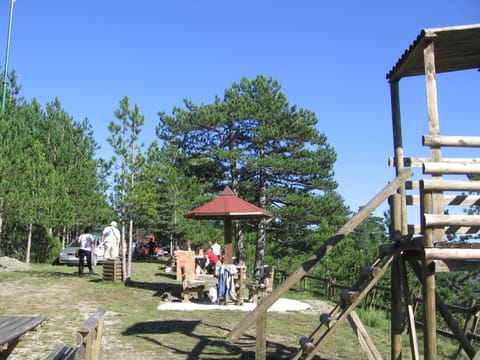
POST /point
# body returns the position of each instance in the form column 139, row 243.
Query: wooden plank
column 62, row 353
column 92, row 322
column 296, row 276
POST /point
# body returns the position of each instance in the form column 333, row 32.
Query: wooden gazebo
column 228, row 207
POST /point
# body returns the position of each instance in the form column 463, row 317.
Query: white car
column 68, row 255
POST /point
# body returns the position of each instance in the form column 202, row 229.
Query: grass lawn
column 135, row 329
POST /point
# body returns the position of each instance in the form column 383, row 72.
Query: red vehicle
column 148, row 247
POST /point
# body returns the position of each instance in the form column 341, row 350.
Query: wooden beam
column 452, row 254
column 439, row 221
column 396, row 310
column 450, row 168
column 418, row 161
column 464, row 200
column 363, row 338
column 450, row 185
column 451, row 141
column 261, row 337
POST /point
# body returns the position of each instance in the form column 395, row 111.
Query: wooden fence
column 331, row 290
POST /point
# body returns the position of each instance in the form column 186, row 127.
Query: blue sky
column 329, row 56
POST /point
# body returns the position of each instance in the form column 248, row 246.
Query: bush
column 373, row 317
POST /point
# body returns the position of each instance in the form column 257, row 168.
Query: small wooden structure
column 228, row 207
column 420, row 247
column 112, row 269
column 190, row 286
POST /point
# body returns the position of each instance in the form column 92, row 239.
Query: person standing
column 86, row 247
column 217, row 249
column 111, row 239
column 151, row 247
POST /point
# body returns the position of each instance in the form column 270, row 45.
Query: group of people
column 86, row 246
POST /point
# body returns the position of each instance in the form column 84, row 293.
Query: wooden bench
column 263, row 287
column 13, row 329
column 89, row 340
column 190, row 286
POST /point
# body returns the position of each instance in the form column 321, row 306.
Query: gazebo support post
column 227, row 241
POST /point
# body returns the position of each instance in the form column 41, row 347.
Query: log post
column 261, row 337
column 396, row 283
column 436, row 204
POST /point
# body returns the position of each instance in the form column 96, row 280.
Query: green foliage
column 45, row 247
column 459, row 287
column 48, row 176
column 373, row 318
column 355, row 251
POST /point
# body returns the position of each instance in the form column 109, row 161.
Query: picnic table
column 13, row 329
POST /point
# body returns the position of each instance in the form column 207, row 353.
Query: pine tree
column 271, row 153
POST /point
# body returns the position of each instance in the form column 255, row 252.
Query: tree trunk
column 239, row 245
column 261, row 236
column 261, row 244
column 1, row 219
column 29, row 244
column 129, row 250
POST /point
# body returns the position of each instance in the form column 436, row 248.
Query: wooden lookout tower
column 446, row 188
column 446, row 185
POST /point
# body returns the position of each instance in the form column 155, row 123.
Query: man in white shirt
column 111, row 237
column 217, row 249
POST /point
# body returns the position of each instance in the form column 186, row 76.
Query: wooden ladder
column 345, row 310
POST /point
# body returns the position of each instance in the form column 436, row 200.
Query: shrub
column 373, row 317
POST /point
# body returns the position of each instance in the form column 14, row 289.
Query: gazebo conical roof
column 228, row 207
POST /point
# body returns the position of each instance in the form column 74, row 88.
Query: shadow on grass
column 203, row 346
column 159, row 288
